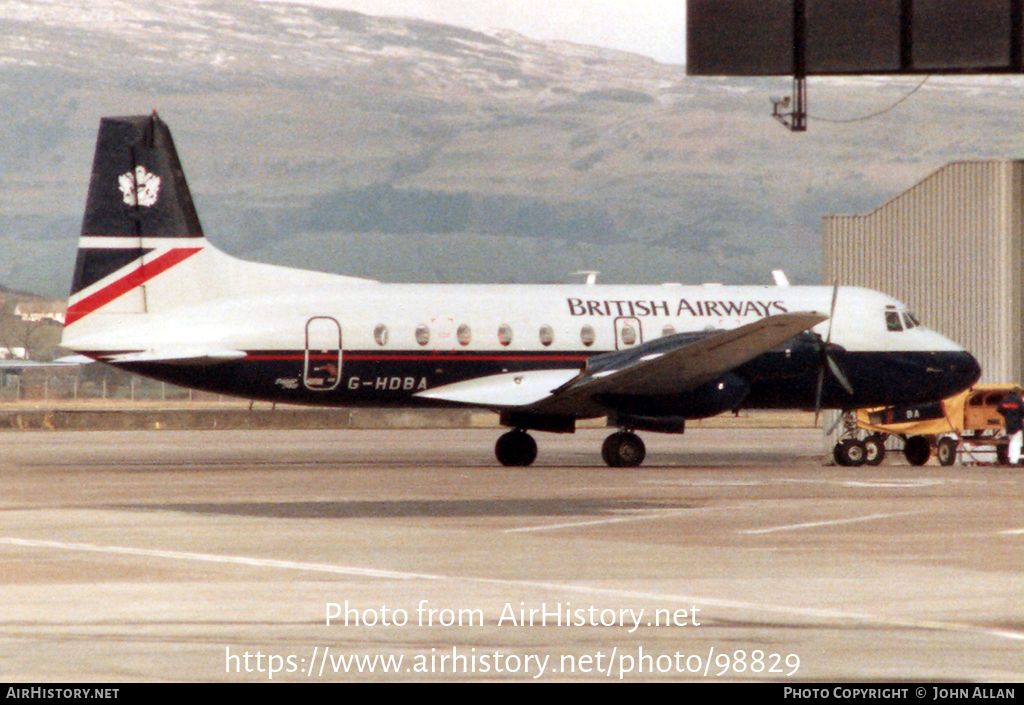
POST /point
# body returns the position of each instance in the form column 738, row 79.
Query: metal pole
column 799, row 66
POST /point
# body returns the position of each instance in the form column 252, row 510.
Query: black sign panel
column 952, row 35
column 739, row 37
column 851, row 36
column 830, row 37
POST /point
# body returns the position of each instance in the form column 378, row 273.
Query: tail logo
column 140, row 188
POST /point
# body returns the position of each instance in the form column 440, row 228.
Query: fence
column 74, row 384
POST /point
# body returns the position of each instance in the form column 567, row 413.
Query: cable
column 876, row 114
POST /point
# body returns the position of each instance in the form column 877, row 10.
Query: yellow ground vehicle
column 968, row 419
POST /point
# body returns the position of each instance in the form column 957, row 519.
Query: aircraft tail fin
column 142, row 249
column 138, row 187
column 139, row 217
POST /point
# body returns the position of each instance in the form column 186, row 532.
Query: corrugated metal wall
column 951, row 248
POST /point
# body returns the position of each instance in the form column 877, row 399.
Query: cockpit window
column 892, row 321
column 910, row 320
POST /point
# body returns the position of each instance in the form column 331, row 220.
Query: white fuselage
column 388, row 342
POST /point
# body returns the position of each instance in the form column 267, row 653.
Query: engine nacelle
column 723, row 394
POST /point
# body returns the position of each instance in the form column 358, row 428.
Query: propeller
column 827, row 362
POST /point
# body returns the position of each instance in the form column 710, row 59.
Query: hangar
column 951, row 248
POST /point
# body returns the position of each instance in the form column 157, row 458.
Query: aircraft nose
column 970, row 369
column 959, row 370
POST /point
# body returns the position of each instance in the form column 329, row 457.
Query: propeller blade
column 837, row 372
column 827, row 361
column 832, row 311
column 817, row 396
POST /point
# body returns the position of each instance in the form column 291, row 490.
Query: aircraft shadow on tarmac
column 443, row 508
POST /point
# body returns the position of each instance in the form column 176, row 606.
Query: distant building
column 40, row 310
column 951, row 248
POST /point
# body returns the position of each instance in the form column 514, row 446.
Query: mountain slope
column 405, row 150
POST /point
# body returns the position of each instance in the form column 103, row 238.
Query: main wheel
column 516, row 449
column 945, row 451
column 850, row 452
column 623, row 450
column 917, row 450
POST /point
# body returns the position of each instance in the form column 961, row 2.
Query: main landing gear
column 620, row 450
column 623, row 450
column 516, row 449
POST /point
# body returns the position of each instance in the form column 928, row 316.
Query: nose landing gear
column 852, row 452
column 854, row 449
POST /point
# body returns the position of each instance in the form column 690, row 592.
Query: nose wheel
column 623, row 450
column 850, row 452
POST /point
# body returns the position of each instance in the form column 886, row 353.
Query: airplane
column 152, row 295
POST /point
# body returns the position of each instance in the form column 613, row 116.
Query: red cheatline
column 122, row 286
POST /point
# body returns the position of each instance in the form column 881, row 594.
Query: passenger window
column 892, row 321
column 422, row 334
column 463, row 334
column 505, row 334
column 668, row 330
column 587, row 335
column 628, row 335
column 547, row 335
column 380, row 334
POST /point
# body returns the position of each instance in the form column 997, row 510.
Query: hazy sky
column 655, row 28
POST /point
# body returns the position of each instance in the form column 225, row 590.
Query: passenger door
column 322, row 365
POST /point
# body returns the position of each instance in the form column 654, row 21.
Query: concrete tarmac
column 732, row 554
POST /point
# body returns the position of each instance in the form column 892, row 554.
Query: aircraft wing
column 668, row 365
column 676, row 363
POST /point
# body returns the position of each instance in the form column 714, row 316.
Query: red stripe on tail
column 133, row 279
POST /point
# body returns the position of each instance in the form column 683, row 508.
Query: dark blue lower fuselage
column 786, row 377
